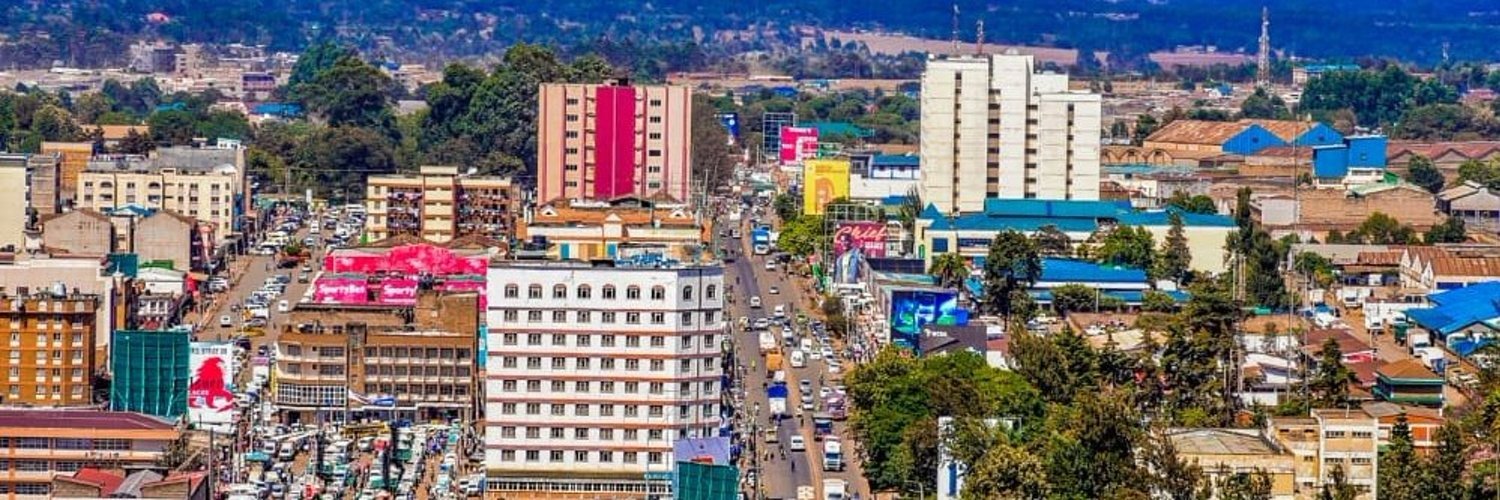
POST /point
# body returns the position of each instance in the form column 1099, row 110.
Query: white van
column 780, row 311
column 799, row 358
column 807, row 344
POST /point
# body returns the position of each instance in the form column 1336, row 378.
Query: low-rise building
column 1408, row 381
column 606, row 230
column 1328, row 438
column 418, row 362
column 1222, row 453
column 92, row 483
column 441, row 204
column 1476, row 204
column 41, row 445
column 203, row 191
column 82, row 232
column 1352, row 162
column 1445, row 155
column 1312, row 213
column 1198, row 139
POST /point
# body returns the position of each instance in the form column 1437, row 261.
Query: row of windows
column 1353, row 434
column 684, row 318
column 583, row 456
column 632, row 292
column 605, row 340
column 651, row 184
column 605, row 410
column 574, row 100
column 608, row 387
column 585, row 433
column 606, row 364
column 37, row 443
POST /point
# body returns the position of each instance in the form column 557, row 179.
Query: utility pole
column 1263, row 59
column 955, row 29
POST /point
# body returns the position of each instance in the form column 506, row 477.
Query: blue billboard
column 731, row 122
column 913, row 310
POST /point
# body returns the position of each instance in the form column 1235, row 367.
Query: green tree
column 713, row 157
column 1127, row 246
column 1012, row 264
column 801, row 236
column 1382, row 229
column 1171, row 476
column 1330, row 380
column 1174, row 259
column 340, row 158
column 178, row 453
column 1006, row 472
column 1447, row 463
column 1060, row 365
column 1091, row 449
column 1449, row 231
column 1338, row 487
column 1423, row 173
column 1145, row 125
column 1052, row 242
column 1401, row 473
column 135, row 143
column 1262, row 104
column 908, row 212
column 54, row 123
column 787, row 206
column 1154, row 301
column 350, row 93
column 1195, row 204
column 223, row 125
column 1074, row 298
column 89, row 107
column 950, row 270
column 1483, row 172
column 175, row 127
column 1244, row 485
column 1442, row 122
column 315, row 60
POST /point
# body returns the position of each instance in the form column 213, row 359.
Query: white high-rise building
column 992, row 127
column 595, row 371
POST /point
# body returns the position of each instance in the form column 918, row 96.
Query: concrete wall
column 163, row 237
column 13, row 206
column 78, row 233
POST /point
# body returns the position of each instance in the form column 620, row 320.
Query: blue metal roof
column 1054, row 208
column 1459, row 309
column 893, row 200
column 1162, row 218
column 1082, row 271
column 1131, row 297
column 981, row 222
column 896, row 160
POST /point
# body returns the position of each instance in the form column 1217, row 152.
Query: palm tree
column 950, row 270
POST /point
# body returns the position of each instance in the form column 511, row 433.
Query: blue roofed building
column 1126, row 284
column 1354, row 161
column 1465, row 319
column 1197, row 139
column 970, row 234
column 874, row 177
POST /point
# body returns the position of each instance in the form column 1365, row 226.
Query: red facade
column 614, row 142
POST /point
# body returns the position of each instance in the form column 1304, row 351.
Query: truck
column 767, row 341
column 798, row 358
column 773, row 362
column 835, row 489
column 776, row 398
column 760, row 240
column 822, row 425
column 833, row 454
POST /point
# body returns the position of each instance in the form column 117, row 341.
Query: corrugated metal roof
column 1053, row 208
column 1080, row 271
column 1197, row 132
column 81, row 419
column 1466, row 266
column 1407, row 369
column 1163, row 218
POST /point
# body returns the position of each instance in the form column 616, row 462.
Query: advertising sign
column 731, row 122
column 823, row 181
column 853, row 242
column 341, row 290
column 398, row 291
column 405, row 259
column 913, row 310
column 210, row 397
column 797, row 144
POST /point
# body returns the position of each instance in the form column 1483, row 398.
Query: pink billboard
column 868, row 237
column 341, row 290
column 398, row 291
column 797, row 144
column 405, row 259
column 614, row 141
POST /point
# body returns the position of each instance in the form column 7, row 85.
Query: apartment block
column 601, row 142
column 50, row 350
column 599, row 230
column 440, row 204
column 995, row 119
column 1328, row 439
column 13, row 217
column 42, row 445
column 380, row 361
column 595, row 371
column 43, row 195
column 73, row 158
column 208, row 195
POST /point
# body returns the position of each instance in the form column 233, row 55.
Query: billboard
column 731, row 123
column 853, row 242
column 797, row 144
column 341, row 290
column 408, row 259
column 210, row 397
column 398, row 291
column 913, row 310
column 823, row 181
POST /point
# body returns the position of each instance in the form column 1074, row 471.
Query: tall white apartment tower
column 595, row 371
column 992, row 127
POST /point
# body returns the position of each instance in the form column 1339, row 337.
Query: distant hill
column 88, row 31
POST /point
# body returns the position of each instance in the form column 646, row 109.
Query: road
column 781, row 477
column 256, row 268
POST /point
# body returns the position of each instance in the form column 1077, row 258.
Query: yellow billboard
column 823, row 181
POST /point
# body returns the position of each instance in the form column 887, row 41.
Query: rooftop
column 81, row 419
column 1212, row 441
column 1459, row 309
column 1407, row 369
column 1065, row 215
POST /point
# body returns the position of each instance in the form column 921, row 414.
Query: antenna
column 955, row 28
column 979, row 42
column 1263, row 59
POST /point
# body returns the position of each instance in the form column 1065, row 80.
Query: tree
column 713, row 157
column 1449, row 231
column 1401, row 471
column 1060, row 366
column 220, row 124
column 1262, row 104
column 1171, row 476
column 833, row 312
column 1154, row 301
column 175, row 127
column 1196, row 204
column 54, row 123
column 1145, row 125
column 1330, row 380
column 1244, row 486
column 1483, row 172
column 1338, row 487
column 787, row 206
column 1074, row 298
column 1174, row 259
column 350, row 93
column 1423, row 173
column 1006, row 473
column 177, row 453
column 1446, row 464
column 1127, row 246
column 950, row 270
column 1442, row 122
column 1012, row 261
column 1382, row 229
column 315, row 60
column 89, row 107
column 135, row 143
column 1090, row 451
column 801, row 236
column 908, row 212
column 1052, row 242
column 341, row 157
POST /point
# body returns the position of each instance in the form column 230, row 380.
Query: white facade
column 13, row 206
column 1023, row 133
column 598, row 370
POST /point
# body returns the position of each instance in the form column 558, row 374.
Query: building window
column 657, row 365
column 609, row 292
column 580, row 456
column 711, row 292
column 512, row 291
column 533, row 316
column 658, row 341
column 559, row 339
column 583, row 339
column 534, row 339
column 687, row 319
column 633, row 318
column 534, row 292
column 658, row 318
column 608, row 318
column 585, row 292
column 606, row 457
column 687, row 293
column 584, row 317
column 633, row 293
column 559, row 292
column 509, row 338
column 582, row 364
column 508, row 455
column 559, row 316
column 533, row 455
column 658, row 293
